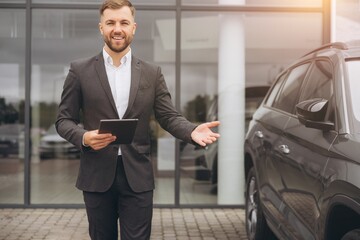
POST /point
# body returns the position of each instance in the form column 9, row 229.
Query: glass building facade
column 217, row 57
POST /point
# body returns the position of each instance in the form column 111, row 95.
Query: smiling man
column 117, row 26
column 117, row 180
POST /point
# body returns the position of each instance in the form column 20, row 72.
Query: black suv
column 302, row 150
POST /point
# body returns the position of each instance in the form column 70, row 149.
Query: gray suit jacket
column 87, row 96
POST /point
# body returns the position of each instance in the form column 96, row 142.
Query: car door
column 269, row 133
column 304, row 157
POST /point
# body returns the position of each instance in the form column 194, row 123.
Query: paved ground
column 168, row 224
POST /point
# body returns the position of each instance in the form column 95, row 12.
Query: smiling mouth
column 118, row 38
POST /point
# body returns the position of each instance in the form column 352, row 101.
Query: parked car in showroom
column 302, row 150
column 54, row 146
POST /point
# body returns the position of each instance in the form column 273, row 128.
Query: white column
column 333, row 21
column 231, row 106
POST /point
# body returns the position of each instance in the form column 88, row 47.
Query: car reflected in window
column 52, row 146
column 11, row 137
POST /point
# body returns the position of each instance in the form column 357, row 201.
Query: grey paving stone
column 168, row 224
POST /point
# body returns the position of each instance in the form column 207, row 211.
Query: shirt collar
column 124, row 60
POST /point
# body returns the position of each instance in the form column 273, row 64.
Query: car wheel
column 352, row 235
column 256, row 226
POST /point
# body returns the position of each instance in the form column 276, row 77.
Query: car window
column 320, row 84
column 353, row 69
column 287, row 97
column 275, row 89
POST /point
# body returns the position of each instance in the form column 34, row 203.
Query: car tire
column 352, row 235
column 256, row 226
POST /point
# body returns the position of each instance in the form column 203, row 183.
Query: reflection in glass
column 58, row 37
column 353, row 69
column 347, row 25
column 267, row 53
column 12, row 96
column 199, row 104
column 149, row 45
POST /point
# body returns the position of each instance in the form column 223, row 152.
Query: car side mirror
column 312, row 114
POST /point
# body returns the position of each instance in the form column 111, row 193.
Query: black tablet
column 123, row 129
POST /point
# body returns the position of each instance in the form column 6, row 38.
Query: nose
column 117, row 27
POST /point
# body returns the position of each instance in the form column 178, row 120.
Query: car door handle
column 259, row 134
column 284, row 149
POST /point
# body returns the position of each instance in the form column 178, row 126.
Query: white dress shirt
column 119, row 79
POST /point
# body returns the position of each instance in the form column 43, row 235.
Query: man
column 117, row 181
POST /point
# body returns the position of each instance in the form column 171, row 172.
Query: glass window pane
column 58, row 37
column 353, row 69
column 287, row 98
column 273, row 3
column 347, row 22
column 12, row 102
column 149, row 44
column 283, row 38
column 275, row 89
column 319, row 84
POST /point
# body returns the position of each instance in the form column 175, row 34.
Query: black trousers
column 133, row 210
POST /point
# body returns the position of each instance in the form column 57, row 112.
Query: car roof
column 349, row 49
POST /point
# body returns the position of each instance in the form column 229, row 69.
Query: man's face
column 117, row 28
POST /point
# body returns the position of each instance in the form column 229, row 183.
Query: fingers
column 210, row 140
column 206, row 140
column 100, row 145
column 213, row 124
column 201, row 144
column 98, row 141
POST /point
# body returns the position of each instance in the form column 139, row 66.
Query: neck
column 117, row 56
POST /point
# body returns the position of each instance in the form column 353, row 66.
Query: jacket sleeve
column 167, row 115
column 68, row 118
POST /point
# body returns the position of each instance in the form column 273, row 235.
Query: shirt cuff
column 83, row 141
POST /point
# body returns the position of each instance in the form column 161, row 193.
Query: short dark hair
column 116, row 4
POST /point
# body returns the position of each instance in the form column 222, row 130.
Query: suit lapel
column 102, row 76
column 135, row 82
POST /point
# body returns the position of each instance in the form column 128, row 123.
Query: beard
column 117, row 48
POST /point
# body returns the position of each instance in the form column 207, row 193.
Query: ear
column 101, row 29
column 134, row 30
